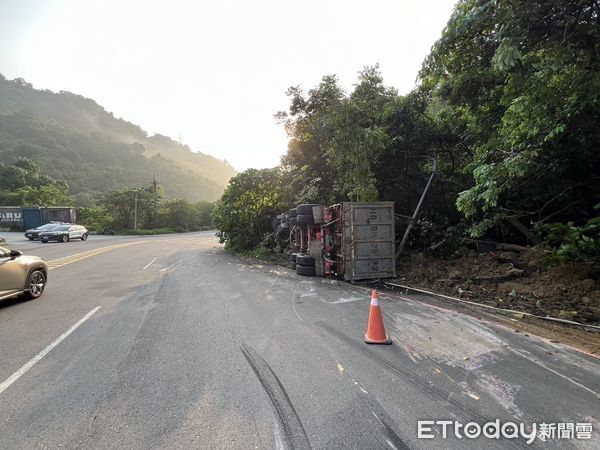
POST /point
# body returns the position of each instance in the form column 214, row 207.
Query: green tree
column 204, row 214
column 250, row 202
column 358, row 137
column 309, row 126
column 95, row 219
column 120, row 205
column 23, row 184
column 524, row 79
column 178, row 214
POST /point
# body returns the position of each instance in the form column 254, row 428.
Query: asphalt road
column 172, row 343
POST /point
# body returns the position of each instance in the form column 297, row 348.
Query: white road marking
column 539, row 363
column 149, row 264
column 19, row 373
column 345, row 300
column 278, row 440
column 176, row 265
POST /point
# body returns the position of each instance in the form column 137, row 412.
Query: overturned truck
column 352, row 240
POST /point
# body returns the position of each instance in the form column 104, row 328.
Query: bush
column 94, row 219
column 249, row 203
column 148, row 232
column 570, row 242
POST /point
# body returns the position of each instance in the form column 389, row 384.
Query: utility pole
column 154, row 201
column 412, row 220
column 135, row 212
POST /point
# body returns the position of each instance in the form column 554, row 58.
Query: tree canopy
column 23, row 184
column 508, row 105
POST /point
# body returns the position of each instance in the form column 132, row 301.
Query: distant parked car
column 64, row 233
column 34, row 233
column 21, row 274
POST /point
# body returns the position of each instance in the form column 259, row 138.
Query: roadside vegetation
column 116, row 212
column 508, row 105
column 23, row 184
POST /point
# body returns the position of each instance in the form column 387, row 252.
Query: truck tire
column 282, row 235
column 305, row 219
column 292, row 212
column 306, row 209
column 305, row 270
column 302, row 259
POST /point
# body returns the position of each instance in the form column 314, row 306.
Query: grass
column 161, row 231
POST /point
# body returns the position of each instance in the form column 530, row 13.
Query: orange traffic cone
column 375, row 329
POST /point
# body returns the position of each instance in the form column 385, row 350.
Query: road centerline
column 60, row 262
column 28, row 365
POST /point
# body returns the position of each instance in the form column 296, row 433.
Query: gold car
column 21, row 274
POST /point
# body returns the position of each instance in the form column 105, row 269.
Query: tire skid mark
column 385, row 422
column 294, row 435
column 392, row 439
column 412, row 379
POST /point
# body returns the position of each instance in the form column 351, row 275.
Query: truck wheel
column 306, row 209
column 302, row 259
column 305, row 219
column 304, row 270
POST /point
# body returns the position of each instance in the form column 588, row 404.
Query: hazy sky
column 213, row 73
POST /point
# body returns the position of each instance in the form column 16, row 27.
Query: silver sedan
column 21, row 274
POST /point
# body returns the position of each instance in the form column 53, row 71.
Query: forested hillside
column 75, row 140
column 507, row 104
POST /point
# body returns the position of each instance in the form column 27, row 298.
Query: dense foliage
column 73, row 138
column 117, row 211
column 508, row 106
column 23, row 184
column 248, row 205
column 523, row 78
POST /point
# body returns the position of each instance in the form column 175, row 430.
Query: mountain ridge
column 77, row 140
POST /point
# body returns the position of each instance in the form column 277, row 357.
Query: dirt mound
column 511, row 279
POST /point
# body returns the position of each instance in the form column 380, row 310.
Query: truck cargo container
column 11, row 217
column 32, row 217
column 368, row 248
column 59, row 214
column 352, row 240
